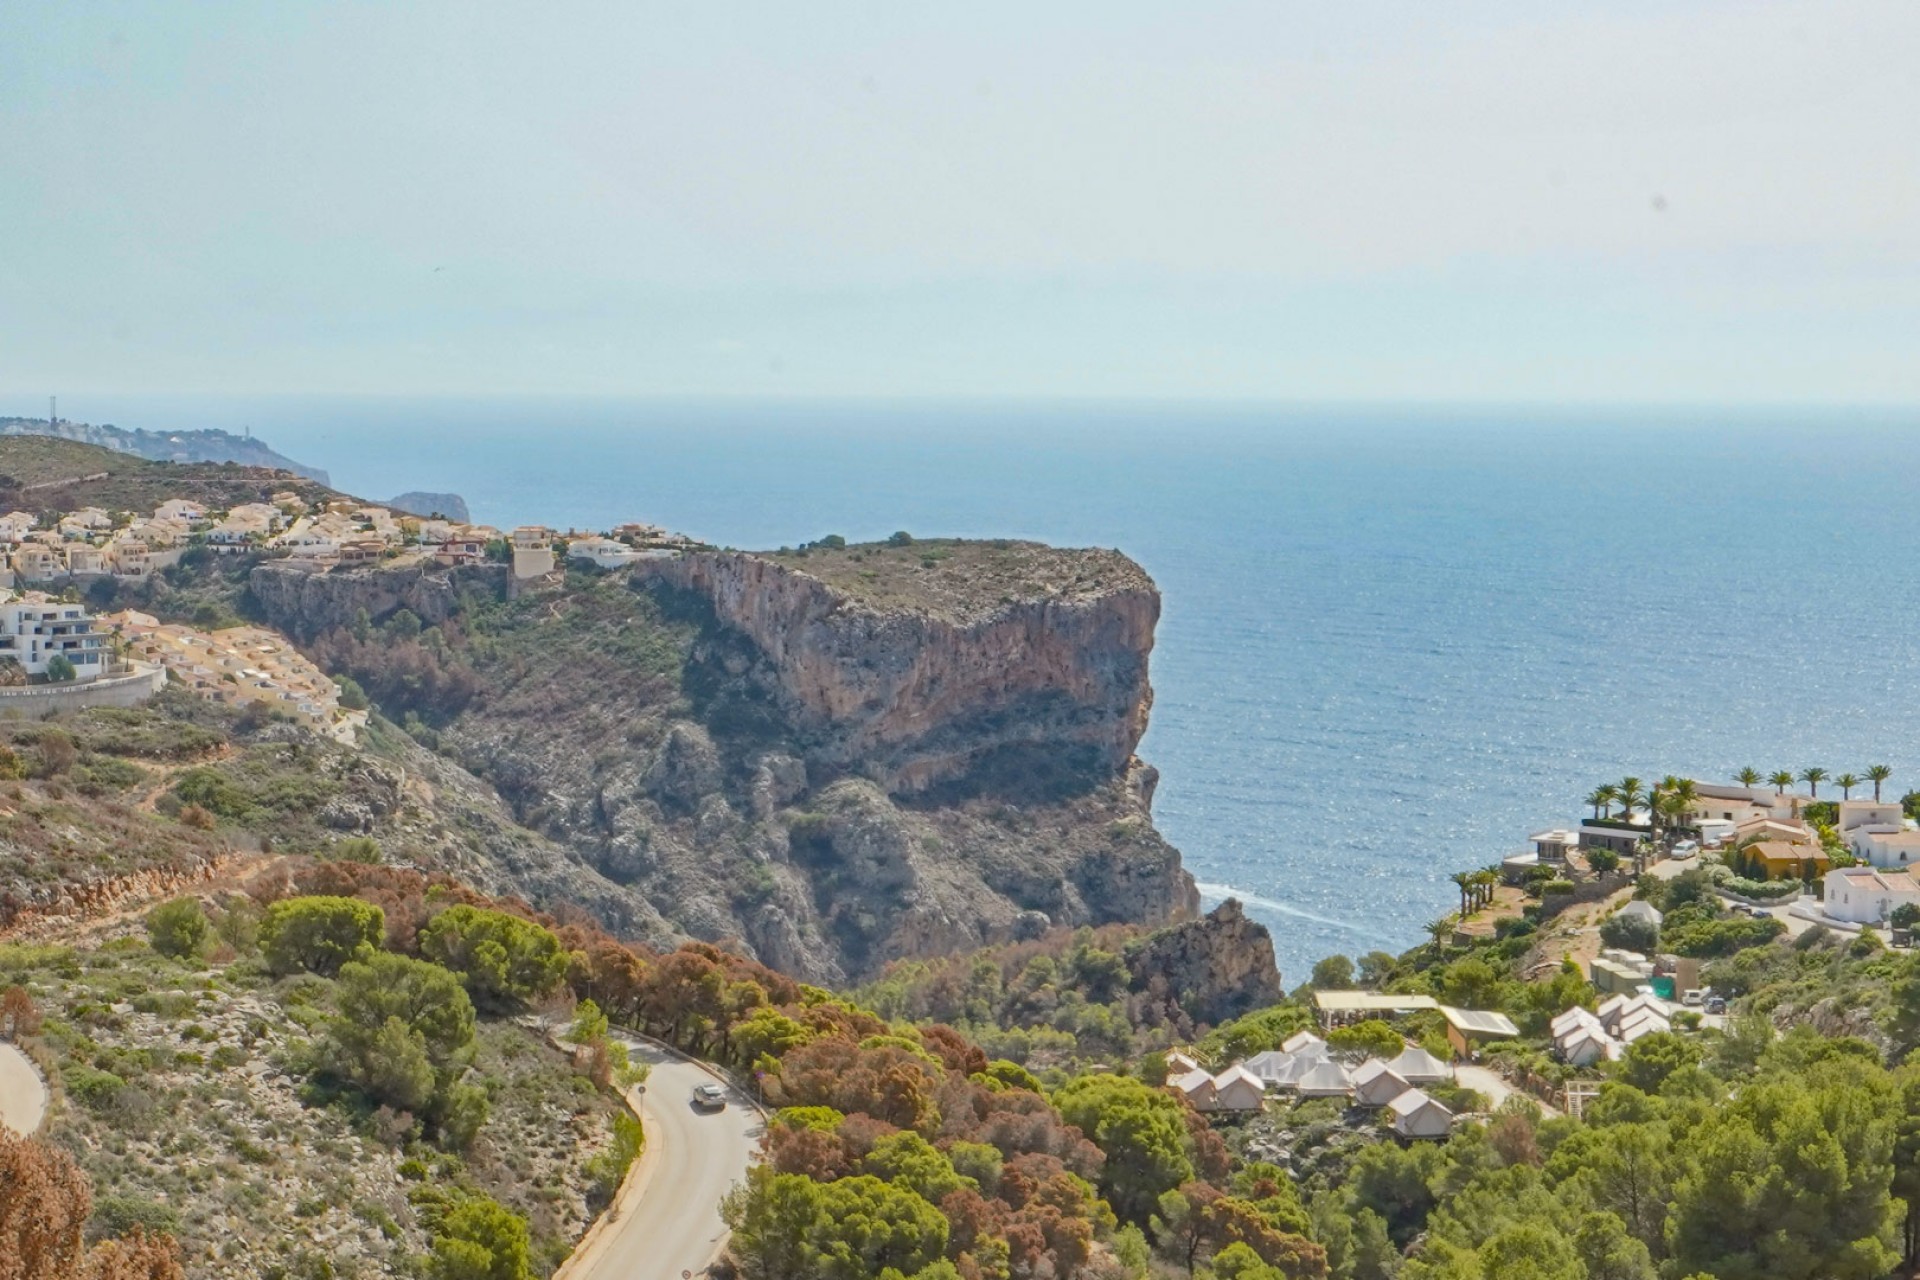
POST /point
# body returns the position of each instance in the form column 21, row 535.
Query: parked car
column 1716, row 1004
column 1693, row 998
column 1686, row 849
column 709, row 1097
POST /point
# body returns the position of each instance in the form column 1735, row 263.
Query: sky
column 1535, row 201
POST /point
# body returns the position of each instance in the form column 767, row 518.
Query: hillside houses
column 43, row 548
column 240, row 665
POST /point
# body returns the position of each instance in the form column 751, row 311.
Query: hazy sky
column 1536, row 201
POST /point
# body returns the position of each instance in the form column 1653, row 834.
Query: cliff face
column 835, row 774
column 1219, row 967
column 304, row 603
column 913, row 699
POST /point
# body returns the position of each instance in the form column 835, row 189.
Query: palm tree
column 1671, row 807
column 1781, row 780
column 1464, row 879
column 1877, row 774
column 1629, row 795
column 1813, row 778
column 1748, row 777
column 1484, row 882
column 1602, row 798
column 1440, row 930
column 1846, row 782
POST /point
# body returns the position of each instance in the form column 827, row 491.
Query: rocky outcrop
column 304, row 602
column 447, row 506
column 829, row 770
column 1218, row 968
column 914, row 699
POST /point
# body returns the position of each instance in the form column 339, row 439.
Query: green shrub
column 320, row 934
column 177, row 928
column 503, row 959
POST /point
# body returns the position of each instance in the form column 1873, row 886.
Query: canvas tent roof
column 1416, row 1066
column 1324, row 1080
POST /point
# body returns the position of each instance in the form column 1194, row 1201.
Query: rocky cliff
column 305, row 602
column 918, row 693
column 1219, row 967
column 835, row 769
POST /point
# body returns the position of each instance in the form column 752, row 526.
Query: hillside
column 205, row 445
column 40, row 473
column 837, row 787
column 839, row 759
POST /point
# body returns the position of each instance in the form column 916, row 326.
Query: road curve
column 668, row 1223
column 23, row 1094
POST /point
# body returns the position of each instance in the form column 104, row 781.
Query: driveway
column 666, row 1223
column 23, row 1094
column 1495, row 1090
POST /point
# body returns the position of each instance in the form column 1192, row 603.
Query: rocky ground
column 179, row 1095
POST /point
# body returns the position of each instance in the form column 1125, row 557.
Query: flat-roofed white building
column 1867, row 895
column 34, row 630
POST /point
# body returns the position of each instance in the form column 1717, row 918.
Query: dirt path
column 23, row 1094
column 1574, row 935
column 130, row 897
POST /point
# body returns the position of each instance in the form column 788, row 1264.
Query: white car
column 1694, row 998
column 709, row 1097
column 1686, row 849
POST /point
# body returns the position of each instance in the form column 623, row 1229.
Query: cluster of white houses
column 1583, row 1037
column 1304, row 1067
column 93, row 542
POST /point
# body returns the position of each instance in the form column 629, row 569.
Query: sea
column 1395, row 640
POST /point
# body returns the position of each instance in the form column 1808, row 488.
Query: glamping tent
column 1375, row 1084
column 1197, row 1085
column 1238, row 1089
column 1417, row 1067
column 1325, row 1080
column 1415, row 1115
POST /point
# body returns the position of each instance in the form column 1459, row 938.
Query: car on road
column 1686, row 849
column 1716, row 1005
column 1693, row 998
column 709, row 1097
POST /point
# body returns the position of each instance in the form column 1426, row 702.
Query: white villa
column 1867, row 895
column 35, row 629
column 532, row 551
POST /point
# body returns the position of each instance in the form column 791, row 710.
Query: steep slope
column 205, row 445
column 838, row 779
column 41, row 473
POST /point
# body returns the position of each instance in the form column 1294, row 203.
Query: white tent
column 1415, row 1115
column 1324, row 1080
column 1238, row 1089
column 1269, row 1065
column 1416, row 1066
column 1300, row 1040
column 1375, row 1084
column 1197, row 1085
column 1584, row 1046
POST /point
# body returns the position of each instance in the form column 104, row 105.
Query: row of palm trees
column 1672, row 797
column 1876, row 774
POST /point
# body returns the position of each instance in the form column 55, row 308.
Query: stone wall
column 128, row 690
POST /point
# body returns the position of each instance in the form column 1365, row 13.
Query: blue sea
column 1394, row 640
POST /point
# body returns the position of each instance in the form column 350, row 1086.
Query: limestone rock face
column 1220, row 966
column 833, row 761
column 304, row 603
column 915, row 698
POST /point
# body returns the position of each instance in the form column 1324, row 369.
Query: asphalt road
column 23, row 1094
column 692, row 1159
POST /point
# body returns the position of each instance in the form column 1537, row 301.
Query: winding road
column 666, row 1221
column 23, row 1094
